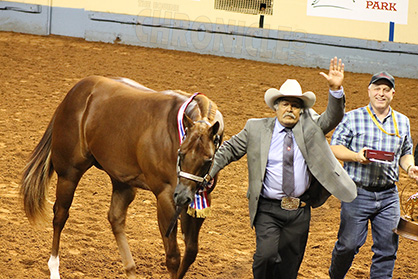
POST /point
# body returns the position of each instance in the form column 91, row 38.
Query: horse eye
column 207, row 163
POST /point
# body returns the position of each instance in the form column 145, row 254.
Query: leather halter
column 202, row 182
column 199, row 179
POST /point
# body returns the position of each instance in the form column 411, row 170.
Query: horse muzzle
column 182, row 195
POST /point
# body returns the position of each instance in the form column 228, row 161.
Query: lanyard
column 395, row 124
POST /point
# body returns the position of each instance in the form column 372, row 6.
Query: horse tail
column 36, row 177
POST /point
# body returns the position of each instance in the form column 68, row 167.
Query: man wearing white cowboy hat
column 291, row 168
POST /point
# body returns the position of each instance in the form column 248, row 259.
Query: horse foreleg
column 190, row 227
column 165, row 212
column 64, row 197
column 122, row 197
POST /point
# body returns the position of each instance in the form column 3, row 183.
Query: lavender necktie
column 288, row 184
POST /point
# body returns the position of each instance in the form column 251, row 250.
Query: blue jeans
column 383, row 211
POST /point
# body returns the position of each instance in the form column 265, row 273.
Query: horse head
column 195, row 157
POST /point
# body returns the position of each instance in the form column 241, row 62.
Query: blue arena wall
column 273, row 46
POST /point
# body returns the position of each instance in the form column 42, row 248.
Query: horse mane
column 207, row 110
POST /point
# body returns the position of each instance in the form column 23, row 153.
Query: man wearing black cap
column 385, row 134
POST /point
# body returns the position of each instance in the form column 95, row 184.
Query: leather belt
column 376, row 188
column 279, row 202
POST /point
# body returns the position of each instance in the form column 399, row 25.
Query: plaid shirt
column 357, row 130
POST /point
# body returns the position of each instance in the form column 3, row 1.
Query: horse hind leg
column 66, row 186
column 122, row 197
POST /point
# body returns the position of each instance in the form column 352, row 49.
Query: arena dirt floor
column 36, row 73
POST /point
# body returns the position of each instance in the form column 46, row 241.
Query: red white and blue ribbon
column 200, row 206
column 180, row 114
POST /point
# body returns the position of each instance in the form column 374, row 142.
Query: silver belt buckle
column 290, row 203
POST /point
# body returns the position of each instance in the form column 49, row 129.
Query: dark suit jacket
column 254, row 140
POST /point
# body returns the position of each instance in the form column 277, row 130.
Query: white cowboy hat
column 291, row 88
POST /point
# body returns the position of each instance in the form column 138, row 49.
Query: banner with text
column 367, row 10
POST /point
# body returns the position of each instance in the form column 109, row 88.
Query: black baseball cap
column 385, row 76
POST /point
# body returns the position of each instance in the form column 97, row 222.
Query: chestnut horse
column 132, row 133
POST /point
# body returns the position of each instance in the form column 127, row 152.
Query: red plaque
column 379, row 156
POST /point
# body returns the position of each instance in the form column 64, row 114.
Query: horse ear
column 187, row 121
column 217, row 139
column 214, row 128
